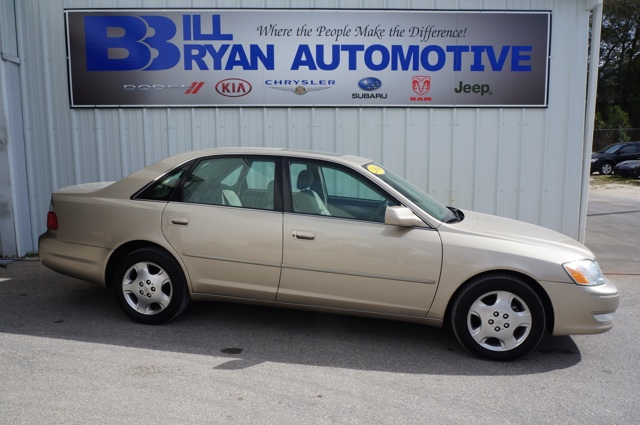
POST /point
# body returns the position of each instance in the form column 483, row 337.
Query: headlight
column 594, row 159
column 584, row 272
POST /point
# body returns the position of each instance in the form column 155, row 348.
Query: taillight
column 52, row 221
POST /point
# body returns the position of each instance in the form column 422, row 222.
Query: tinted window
column 325, row 189
column 232, row 181
column 163, row 188
column 627, row 149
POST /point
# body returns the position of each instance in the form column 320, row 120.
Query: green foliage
column 611, row 127
column 618, row 83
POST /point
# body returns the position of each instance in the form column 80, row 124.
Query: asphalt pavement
column 68, row 355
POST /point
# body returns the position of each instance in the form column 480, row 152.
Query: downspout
column 592, row 90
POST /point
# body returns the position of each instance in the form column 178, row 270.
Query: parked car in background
column 325, row 232
column 629, row 168
column 605, row 160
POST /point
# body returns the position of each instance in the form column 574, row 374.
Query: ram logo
column 421, row 84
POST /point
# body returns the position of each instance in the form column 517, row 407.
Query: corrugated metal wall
column 519, row 163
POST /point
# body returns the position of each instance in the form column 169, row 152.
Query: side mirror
column 402, row 216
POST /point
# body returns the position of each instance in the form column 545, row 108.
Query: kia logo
column 233, row 87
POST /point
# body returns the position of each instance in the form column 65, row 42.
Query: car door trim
column 230, row 260
column 365, row 275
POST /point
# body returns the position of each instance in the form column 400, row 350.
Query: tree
column 618, row 82
column 610, row 127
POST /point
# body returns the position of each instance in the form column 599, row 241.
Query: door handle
column 181, row 221
column 301, row 234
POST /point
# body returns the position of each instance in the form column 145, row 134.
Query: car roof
column 174, row 161
column 134, row 182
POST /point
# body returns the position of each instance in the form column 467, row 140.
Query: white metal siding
column 524, row 163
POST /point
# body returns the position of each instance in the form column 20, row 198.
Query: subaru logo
column 369, row 84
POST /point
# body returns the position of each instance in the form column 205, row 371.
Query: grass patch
column 598, row 180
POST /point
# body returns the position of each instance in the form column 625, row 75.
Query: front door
column 340, row 254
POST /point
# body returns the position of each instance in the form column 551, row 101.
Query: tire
column 150, row 286
column 606, row 168
column 498, row 317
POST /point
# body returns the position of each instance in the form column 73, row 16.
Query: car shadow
column 45, row 304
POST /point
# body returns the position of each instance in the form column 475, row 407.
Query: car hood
column 514, row 231
column 600, row 155
column 629, row 163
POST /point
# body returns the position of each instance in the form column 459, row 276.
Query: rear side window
column 243, row 182
column 163, row 188
column 628, row 149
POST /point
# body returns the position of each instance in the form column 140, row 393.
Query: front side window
column 232, row 181
column 330, row 190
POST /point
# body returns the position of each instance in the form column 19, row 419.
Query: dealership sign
column 132, row 58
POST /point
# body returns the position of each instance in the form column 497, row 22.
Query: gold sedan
column 332, row 233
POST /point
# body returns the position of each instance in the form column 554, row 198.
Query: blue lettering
column 440, row 55
column 477, row 58
column 352, row 50
column 384, row 56
column 227, row 57
column 335, row 57
column 114, row 43
column 378, row 57
column 168, row 53
column 217, row 55
column 457, row 55
column 303, row 58
column 518, row 55
column 498, row 64
column 405, row 61
column 237, row 57
column 257, row 55
column 196, row 32
column 194, row 53
column 119, row 43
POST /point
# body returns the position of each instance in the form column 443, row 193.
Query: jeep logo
column 473, row 88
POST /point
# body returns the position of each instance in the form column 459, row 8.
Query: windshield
column 428, row 204
column 610, row 149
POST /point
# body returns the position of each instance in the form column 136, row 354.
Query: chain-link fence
column 604, row 137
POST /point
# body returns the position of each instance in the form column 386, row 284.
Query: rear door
column 227, row 227
column 628, row 151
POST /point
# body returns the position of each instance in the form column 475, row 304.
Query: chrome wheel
column 147, row 288
column 606, row 169
column 499, row 321
column 150, row 286
column 498, row 316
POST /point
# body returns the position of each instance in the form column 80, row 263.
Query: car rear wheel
column 498, row 317
column 606, row 168
column 150, row 286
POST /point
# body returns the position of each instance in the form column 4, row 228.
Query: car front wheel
column 498, row 317
column 150, row 286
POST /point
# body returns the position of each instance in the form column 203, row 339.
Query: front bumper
column 627, row 173
column 582, row 310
